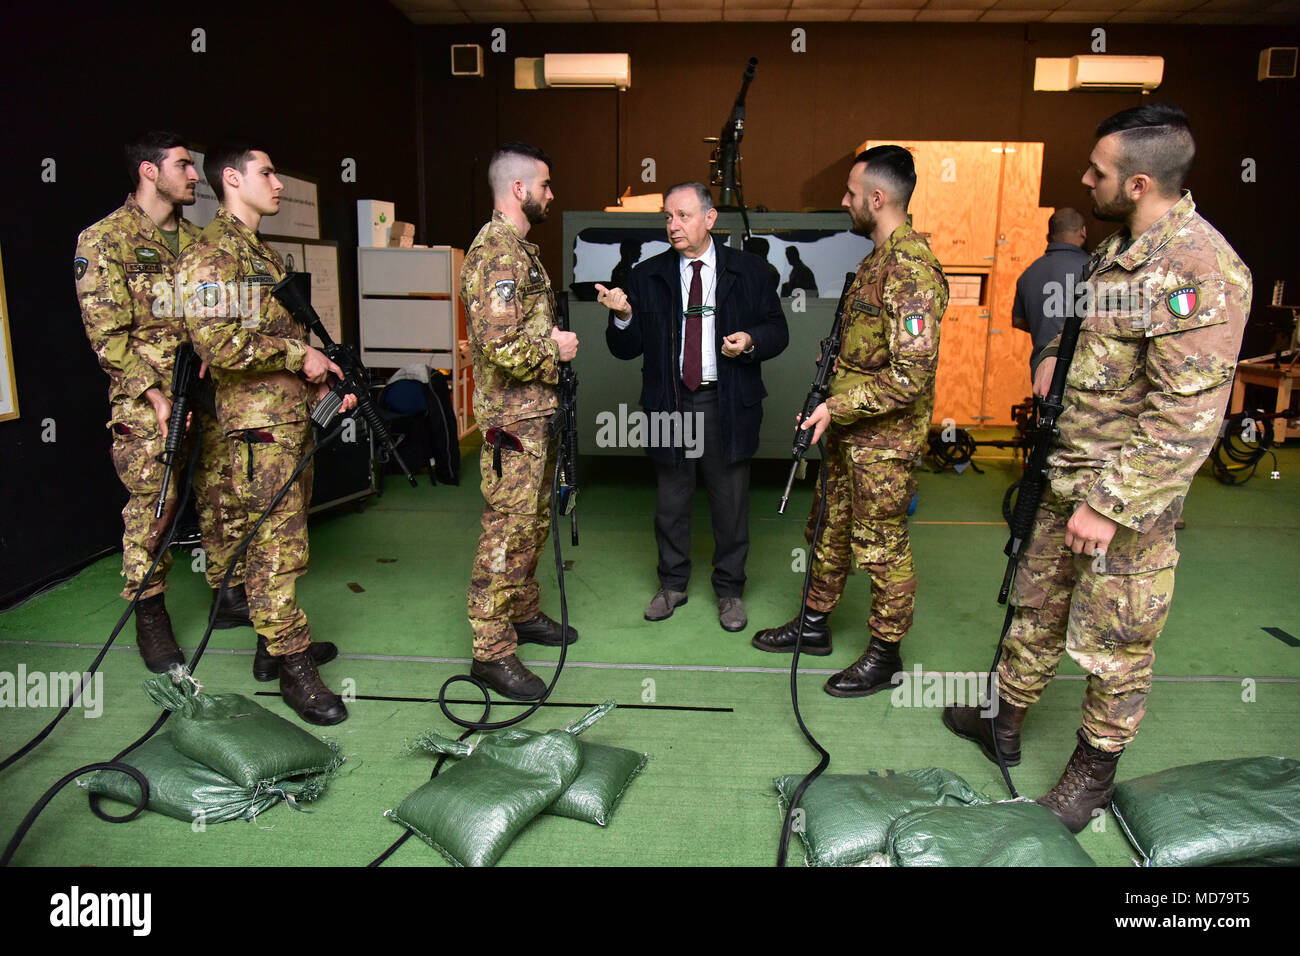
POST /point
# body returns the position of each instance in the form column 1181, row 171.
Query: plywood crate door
column 959, row 383
column 961, row 202
column 1021, row 238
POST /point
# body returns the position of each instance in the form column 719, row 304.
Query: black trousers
column 727, row 486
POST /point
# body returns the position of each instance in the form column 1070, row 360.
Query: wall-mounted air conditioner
column 1098, row 72
column 561, row 70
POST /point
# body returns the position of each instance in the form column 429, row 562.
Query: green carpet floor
column 388, row 585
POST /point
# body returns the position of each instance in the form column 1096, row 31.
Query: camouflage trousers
column 1106, row 611
column 516, row 519
column 221, row 524
column 222, row 519
column 866, row 522
column 262, row 461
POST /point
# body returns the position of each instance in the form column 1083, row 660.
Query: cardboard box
column 402, row 235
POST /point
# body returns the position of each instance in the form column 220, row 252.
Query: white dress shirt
column 709, row 286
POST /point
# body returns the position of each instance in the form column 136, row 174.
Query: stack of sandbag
column 223, row 757
column 473, row 810
column 1243, row 812
column 928, row 817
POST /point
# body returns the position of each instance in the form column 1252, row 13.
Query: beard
column 1117, row 210
column 177, row 193
column 533, row 211
column 862, row 225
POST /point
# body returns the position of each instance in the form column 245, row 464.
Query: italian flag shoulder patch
column 914, row 323
column 1182, row 302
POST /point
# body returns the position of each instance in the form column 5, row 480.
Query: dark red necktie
column 691, row 361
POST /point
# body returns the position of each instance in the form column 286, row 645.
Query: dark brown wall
column 806, row 112
column 74, row 86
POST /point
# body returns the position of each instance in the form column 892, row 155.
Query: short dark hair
column 701, row 191
column 1155, row 139
column 150, row 147
column 502, row 155
column 1064, row 222
column 894, row 166
column 232, row 154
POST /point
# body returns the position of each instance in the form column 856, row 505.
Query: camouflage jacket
column 124, row 274
column 1153, row 368
column 511, row 312
column 252, row 345
column 882, row 394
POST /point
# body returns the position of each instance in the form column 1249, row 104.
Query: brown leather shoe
column 816, row 635
column 967, row 722
column 154, row 637
column 871, row 673
column 1086, row 786
column 266, row 666
column 509, row 678
column 304, row 691
column 232, row 608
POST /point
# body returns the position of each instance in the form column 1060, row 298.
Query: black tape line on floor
column 1282, row 636
column 504, row 702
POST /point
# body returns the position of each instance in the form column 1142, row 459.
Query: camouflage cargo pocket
column 523, row 477
column 1110, row 353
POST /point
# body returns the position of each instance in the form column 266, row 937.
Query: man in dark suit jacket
column 702, row 317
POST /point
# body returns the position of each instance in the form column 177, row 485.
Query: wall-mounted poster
column 8, row 389
column 321, row 259
column 298, row 215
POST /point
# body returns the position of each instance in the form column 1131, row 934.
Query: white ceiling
column 807, row 11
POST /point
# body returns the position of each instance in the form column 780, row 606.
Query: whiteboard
column 8, row 390
column 299, row 213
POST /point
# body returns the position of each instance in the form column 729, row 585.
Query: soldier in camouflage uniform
column 262, row 366
column 1164, row 313
column 124, row 274
column 517, row 351
column 876, row 421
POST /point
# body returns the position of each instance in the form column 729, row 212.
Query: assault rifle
column 724, row 164
column 1041, row 438
column 820, row 389
column 294, row 293
column 564, row 425
column 185, row 383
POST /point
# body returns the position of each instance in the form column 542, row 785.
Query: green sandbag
column 606, row 771
column 472, row 811
column 1220, row 812
column 240, row 738
column 1011, row 833
column 187, row 790
column 846, row 817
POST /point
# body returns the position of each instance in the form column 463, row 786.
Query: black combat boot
column 967, row 722
column 304, row 691
column 872, row 672
column 542, row 630
column 816, row 635
column 1087, row 785
column 509, row 678
column 154, row 637
column 232, row 608
column 266, row 666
